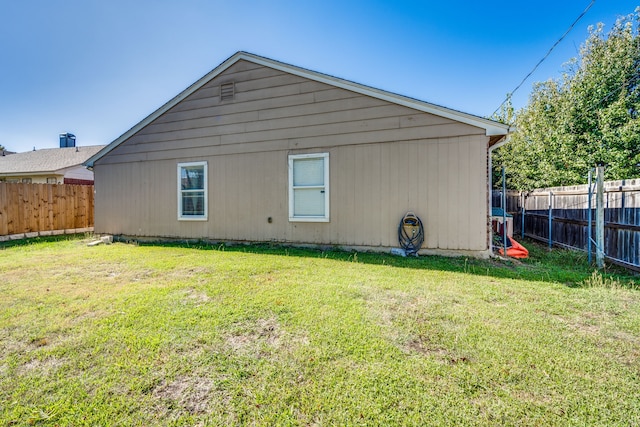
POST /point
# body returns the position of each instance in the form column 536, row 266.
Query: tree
column 591, row 115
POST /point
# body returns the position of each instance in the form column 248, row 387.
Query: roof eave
column 32, row 173
column 498, row 140
column 492, row 128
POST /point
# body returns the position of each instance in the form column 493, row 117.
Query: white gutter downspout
column 490, row 190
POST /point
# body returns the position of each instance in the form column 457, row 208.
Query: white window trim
column 206, row 195
column 323, row 218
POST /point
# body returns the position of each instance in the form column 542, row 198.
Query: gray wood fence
column 569, row 210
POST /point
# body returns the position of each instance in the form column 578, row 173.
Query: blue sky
column 96, row 68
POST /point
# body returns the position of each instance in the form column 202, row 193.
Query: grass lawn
column 143, row 335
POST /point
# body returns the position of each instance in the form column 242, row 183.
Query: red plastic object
column 516, row 250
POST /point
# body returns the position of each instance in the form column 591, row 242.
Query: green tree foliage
column 590, row 115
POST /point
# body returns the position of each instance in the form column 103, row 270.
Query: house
column 62, row 165
column 261, row 151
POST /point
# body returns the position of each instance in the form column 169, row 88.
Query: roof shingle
column 46, row 160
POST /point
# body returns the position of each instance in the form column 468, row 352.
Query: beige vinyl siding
column 79, row 172
column 385, row 159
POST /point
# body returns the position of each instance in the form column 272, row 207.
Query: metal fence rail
column 560, row 216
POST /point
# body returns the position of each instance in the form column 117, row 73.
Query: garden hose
column 411, row 234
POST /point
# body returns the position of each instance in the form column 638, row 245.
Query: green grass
column 259, row 335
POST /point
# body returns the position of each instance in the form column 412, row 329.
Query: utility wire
column 547, row 54
column 635, row 79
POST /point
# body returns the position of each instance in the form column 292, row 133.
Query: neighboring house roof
column 46, row 160
column 495, row 130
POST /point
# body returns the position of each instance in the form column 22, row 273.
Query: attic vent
column 227, row 91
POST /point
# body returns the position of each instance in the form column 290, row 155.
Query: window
column 52, row 180
column 26, row 180
column 309, row 187
column 192, row 191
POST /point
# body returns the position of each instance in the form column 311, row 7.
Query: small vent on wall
column 227, row 91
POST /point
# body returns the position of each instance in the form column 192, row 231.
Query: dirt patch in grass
column 88, row 316
column 534, row 397
column 588, row 323
column 188, row 273
column 40, row 342
column 440, row 354
column 385, row 305
column 262, row 337
column 187, row 394
column 41, row 367
column 252, row 334
column 142, row 275
column 10, row 345
column 626, row 336
column 194, row 296
column 265, row 279
column 414, row 323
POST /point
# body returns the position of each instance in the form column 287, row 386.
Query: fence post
column 600, row 217
column 550, row 220
column 522, row 197
column 590, row 218
column 504, row 212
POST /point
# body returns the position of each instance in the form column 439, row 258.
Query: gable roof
column 496, row 130
column 47, row 160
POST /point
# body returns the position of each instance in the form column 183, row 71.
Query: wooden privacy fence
column 28, row 210
column 568, row 208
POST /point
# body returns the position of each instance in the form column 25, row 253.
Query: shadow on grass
column 44, row 239
column 558, row 265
